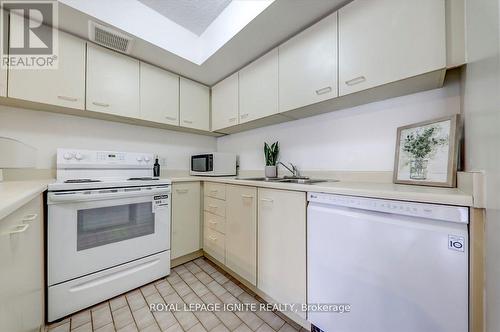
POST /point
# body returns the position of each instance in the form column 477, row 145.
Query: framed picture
column 426, row 153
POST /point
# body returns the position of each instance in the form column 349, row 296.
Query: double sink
column 297, row 180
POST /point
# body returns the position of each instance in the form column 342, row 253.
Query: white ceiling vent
column 109, row 37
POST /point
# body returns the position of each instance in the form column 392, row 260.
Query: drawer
column 215, row 190
column 214, row 244
column 215, row 206
column 215, row 222
column 30, row 213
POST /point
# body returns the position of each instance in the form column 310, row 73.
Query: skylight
column 188, row 29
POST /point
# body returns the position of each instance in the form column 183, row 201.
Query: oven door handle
column 70, row 197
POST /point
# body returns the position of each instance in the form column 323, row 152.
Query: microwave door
column 202, row 163
column 88, row 236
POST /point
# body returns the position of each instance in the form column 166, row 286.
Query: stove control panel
column 76, row 158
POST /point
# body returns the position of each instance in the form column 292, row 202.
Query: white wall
column 48, row 131
column 362, row 138
column 481, row 111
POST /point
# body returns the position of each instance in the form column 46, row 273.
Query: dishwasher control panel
column 457, row 214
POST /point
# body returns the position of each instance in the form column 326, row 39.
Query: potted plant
column 420, row 146
column 271, row 153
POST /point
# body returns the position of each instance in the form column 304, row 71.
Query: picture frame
column 427, row 153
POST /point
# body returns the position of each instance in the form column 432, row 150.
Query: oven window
column 101, row 226
column 199, row 164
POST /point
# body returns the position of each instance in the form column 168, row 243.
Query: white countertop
column 448, row 196
column 14, row 194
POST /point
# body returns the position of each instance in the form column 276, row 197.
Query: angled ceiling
column 273, row 23
column 194, row 15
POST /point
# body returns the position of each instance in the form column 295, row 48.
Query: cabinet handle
column 182, row 191
column 67, row 98
column 170, row 118
column 324, row 90
column 356, row 80
column 232, row 120
column 267, row 200
column 244, row 116
column 246, row 196
column 213, row 238
column 100, row 104
column 20, row 229
column 187, row 121
column 30, row 217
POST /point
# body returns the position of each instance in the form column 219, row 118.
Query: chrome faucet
column 294, row 170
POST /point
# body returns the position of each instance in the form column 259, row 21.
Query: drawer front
column 215, row 222
column 215, row 190
column 214, row 244
column 29, row 213
column 215, row 206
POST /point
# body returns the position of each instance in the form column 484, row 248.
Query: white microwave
column 213, row 164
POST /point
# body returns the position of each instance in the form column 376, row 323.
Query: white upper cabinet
column 159, row 95
column 194, row 105
column 112, row 82
column 225, row 103
column 383, row 41
column 308, row 66
column 63, row 86
column 259, row 88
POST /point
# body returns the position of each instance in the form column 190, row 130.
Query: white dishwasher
column 399, row 266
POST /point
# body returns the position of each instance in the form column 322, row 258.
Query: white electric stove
column 108, row 228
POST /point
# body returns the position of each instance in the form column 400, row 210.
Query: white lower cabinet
column 21, row 269
column 241, row 231
column 186, row 225
column 282, row 245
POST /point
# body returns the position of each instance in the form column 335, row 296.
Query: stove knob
column 68, row 156
column 147, row 159
column 78, row 156
column 139, row 158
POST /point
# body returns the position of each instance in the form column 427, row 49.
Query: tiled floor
column 198, row 281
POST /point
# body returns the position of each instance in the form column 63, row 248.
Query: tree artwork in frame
column 426, row 153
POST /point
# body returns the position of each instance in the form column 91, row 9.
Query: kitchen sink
column 301, row 180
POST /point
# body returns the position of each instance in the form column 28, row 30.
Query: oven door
column 89, row 231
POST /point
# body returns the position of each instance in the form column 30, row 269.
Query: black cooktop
column 143, row 179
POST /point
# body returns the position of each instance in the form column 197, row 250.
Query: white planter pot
column 271, row 171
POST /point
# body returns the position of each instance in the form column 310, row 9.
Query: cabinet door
column 21, row 259
column 159, row 95
column 225, row 103
column 63, row 86
column 383, row 41
column 282, row 245
column 186, row 226
column 194, row 105
column 308, row 66
column 259, row 88
column 3, row 73
column 241, row 231
column 112, row 82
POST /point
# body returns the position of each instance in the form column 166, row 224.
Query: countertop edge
column 459, row 198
